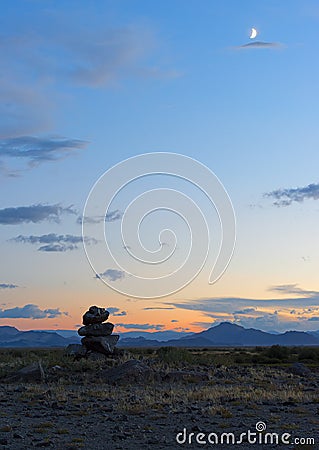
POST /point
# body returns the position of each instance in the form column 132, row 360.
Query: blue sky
column 86, row 85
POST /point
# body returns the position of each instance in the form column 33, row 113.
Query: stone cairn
column 98, row 336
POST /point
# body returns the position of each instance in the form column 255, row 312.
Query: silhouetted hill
column 149, row 335
column 11, row 337
column 314, row 333
column 228, row 334
column 139, row 342
column 222, row 335
column 8, row 332
column 154, row 335
column 295, row 337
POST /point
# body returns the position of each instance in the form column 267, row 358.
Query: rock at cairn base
column 101, row 344
column 98, row 336
column 75, row 350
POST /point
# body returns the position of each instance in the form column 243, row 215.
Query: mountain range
column 12, row 337
column 228, row 334
column 223, row 335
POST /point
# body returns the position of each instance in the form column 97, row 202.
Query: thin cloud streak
column 34, row 214
column 36, row 150
column 150, row 308
column 228, row 305
column 54, row 242
column 141, row 326
column 30, row 311
column 8, row 286
column 285, row 197
column 111, row 216
column 259, row 45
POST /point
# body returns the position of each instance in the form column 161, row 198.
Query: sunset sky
column 86, row 85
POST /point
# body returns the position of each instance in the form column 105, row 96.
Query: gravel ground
column 139, row 416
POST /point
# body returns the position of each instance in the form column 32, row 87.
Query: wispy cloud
column 204, row 325
column 34, row 214
column 60, row 248
column 230, row 304
column 141, row 326
column 111, row 216
column 116, row 311
column 245, row 311
column 30, row 311
column 150, row 308
column 259, row 45
column 293, row 289
column 54, row 242
column 111, row 274
column 86, row 57
column 8, row 286
column 285, row 197
column 48, row 239
column 35, row 150
column 265, row 313
column 104, row 57
column 24, row 108
column 264, row 321
column 313, row 319
column 37, row 63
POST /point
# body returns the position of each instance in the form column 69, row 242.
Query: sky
column 86, row 86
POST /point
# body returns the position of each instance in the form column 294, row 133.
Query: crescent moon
column 253, row 33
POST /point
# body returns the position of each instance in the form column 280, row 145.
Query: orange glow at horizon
column 72, row 304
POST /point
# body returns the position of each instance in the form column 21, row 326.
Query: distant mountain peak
column 9, row 331
column 8, row 328
column 228, row 325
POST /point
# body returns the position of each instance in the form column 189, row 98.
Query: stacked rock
column 98, row 336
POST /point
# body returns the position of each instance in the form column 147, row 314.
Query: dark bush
column 259, row 349
column 277, row 352
column 307, row 353
column 174, row 355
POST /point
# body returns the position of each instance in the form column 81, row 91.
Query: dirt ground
column 92, row 414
